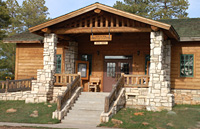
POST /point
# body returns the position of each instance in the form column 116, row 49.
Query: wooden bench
column 93, row 84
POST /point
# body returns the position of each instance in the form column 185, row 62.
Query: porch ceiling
column 99, row 18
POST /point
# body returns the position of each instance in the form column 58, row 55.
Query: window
column 147, row 60
column 186, row 65
column 86, row 57
column 125, row 68
column 58, row 63
column 111, row 69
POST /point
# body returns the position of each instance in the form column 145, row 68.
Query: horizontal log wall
column 178, row 82
column 122, row 44
column 29, row 58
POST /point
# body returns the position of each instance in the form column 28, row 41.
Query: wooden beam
column 64, row 37
column 117, row 21
column 111, row 24
column 128, row 22
column 100, row 30
column 90, row 21
column 101, row 21
column 97, row 10
column 106, row 22
column 96, row 21
column 154, row 28
column 85, row 22
column 46, row 30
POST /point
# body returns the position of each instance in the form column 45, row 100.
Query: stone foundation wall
column 15, row 95
column 58, row 91
column 136, row 97
column 71, row 55
column 30, row 95
column 186, row 96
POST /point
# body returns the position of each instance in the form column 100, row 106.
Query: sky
column 61, row 7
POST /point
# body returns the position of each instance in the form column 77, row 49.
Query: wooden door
column 112, row 71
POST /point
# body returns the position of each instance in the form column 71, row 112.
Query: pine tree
column 33, row 12
column 14, row 13
column 139, row 7
column 155, row 9
column 4, row 18
column 168, row 9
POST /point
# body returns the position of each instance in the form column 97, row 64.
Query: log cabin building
column 165, row 53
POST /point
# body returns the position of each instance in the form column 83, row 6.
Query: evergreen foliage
column 155, row 9
column 17, row 19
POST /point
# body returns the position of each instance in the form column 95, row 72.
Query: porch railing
column 71, row 88
column 64, row 79
column 15, row 85
column 136, row 81
column 113, row 94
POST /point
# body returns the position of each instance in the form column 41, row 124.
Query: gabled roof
column 107, row 9
column 25, row 37
column 188, row 29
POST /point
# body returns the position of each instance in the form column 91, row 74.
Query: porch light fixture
column 138, row 53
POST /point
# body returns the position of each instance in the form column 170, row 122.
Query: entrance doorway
column 113, row 67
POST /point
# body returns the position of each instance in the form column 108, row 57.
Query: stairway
column 87, row 109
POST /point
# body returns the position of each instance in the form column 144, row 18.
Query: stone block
column 29, row 100
column 157, row 51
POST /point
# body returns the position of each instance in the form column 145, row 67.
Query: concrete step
column 87, row 109
column 83, row 122
column 89, row 102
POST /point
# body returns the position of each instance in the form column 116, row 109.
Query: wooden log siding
column 109, row 100
column 64, row 79
column 15, row 85
column 137, row 81
column 71, row 88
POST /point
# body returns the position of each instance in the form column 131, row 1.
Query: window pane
column 58, row 64
column 186, row 65
column 111, row 69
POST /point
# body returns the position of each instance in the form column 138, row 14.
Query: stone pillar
column 43, row 87
column 159, row 97
column 71, row 55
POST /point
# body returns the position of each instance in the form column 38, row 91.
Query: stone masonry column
column 71, row 55
column 159, row 97
column 43, row 86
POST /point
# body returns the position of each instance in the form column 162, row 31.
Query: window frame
column 90, row 61
column 193, row 66
column 146, row 63
column 60, row 63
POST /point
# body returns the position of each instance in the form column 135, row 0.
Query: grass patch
column 186, row 116
column 22, row 115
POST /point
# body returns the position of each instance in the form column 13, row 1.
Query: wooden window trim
column 194, row 65
column 60, row 62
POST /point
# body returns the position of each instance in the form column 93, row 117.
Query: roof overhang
column 163, row 26
column 5, row 41
column 188, row 39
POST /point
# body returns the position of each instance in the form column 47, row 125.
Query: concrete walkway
column 60, row 125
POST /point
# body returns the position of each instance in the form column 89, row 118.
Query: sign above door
column 100, row 37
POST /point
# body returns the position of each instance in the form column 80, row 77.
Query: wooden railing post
column 7, row 85
column 59, row 103
column 122, row 75
column 106, row 108
column 79, row 74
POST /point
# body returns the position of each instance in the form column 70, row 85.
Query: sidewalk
column 60, row 125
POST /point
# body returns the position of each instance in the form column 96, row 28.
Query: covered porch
column 133, row 45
